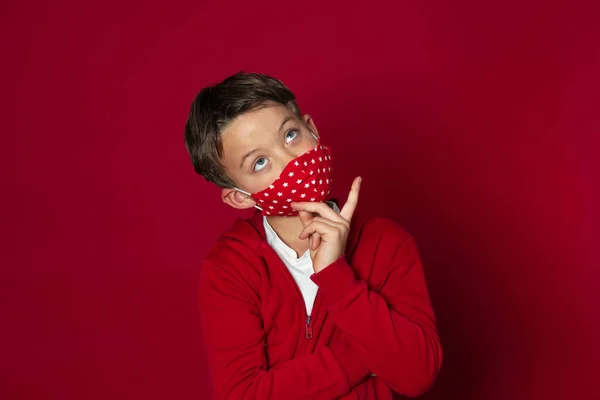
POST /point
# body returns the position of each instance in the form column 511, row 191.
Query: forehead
column 254, row 129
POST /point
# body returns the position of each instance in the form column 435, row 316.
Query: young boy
column 301, row 301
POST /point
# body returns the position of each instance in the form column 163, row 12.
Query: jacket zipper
column 308, row 331
column 308, row 328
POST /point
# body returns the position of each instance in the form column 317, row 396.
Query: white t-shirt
column 300, row 268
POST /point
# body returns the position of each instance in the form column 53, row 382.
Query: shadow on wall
column 417, row 172
column 407, row 162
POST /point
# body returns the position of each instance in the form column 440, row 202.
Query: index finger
column 320, row 208
column 348, row 210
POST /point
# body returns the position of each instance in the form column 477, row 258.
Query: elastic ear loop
column 249, row 195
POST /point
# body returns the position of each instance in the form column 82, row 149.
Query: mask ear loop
column 249, row 195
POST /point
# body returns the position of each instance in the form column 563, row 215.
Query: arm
column 393, row 330
column 235, row 344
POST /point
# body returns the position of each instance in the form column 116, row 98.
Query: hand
column 327, row 230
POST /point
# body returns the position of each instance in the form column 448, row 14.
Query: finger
column 325, row 230
column 339, row 225
column 316, row 238
column 305, row 217
column 320, row 208
column 348, row 210
column 315, row 241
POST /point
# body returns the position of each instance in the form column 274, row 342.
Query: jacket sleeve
column 235, row 345
column 393, row 328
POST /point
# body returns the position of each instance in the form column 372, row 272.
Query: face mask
column 305, row 178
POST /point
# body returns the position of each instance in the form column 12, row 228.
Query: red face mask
column 305, row 178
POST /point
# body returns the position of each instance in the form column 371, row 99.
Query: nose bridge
column 285, row 155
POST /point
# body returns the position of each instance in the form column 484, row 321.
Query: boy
column 301, row 301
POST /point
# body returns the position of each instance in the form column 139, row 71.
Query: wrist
column 336, row 281
column 320, row 266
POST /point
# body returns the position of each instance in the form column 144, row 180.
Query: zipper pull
column 308, row 328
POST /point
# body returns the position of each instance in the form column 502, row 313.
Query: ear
column 310, row 123
column 237, row 199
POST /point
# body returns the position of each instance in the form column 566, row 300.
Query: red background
column 475, row 125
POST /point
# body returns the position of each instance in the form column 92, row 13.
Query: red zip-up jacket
column 372, row 329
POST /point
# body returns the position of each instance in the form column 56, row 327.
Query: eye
column 260, row 164
column 291, row 135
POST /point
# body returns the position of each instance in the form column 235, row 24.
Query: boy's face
column 257, row 146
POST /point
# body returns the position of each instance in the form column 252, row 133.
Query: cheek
column 259, row 182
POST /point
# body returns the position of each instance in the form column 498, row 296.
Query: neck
column 288, row 229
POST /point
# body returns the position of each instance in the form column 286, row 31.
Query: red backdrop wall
column 475, row 125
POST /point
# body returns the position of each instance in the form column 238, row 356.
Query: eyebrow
column 284, row 122
column 248, row 154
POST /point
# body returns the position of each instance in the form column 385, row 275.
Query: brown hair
column 215, row 106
